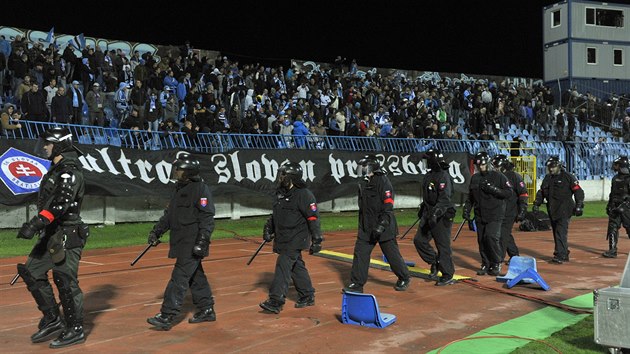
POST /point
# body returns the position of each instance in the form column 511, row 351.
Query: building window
column 618, row 57
column 555, row 19
column 591, row 55
column 604, row 17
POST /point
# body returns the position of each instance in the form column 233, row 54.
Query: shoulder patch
column 203, row 202
column 442, row 186
column 522, row 184
column 313, row 206
column 388, row 193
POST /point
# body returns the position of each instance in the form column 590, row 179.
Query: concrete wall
column 110, row 210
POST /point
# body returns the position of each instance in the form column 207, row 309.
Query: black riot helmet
column 368, row 165
column 61, row 140
column 289, row 174
column 435, row 160
column 553, row 165
column 622, row 165
column 188, row 164
column 482, row 162
column 502, row 162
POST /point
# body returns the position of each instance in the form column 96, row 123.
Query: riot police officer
column 190, row 219
column 488, row 192
column 618, row 208
column 560, row 188
column 436, row 218
column 293, row 227
column 515, row 204
column 377, row 224
column 63, row 236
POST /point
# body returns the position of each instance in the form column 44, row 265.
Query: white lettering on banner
column 145, row 167
column 236, row 166
column 163, row 170
column 308, row 172
column 351, row 165
column 336, row 168
column 108, row 161
column 271, row 167
column 89, row 163
column 124, row 162
column 252, row 169
column 220, row 168
column 455, row 171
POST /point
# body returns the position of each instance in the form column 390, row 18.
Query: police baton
column 144, row 251
column 256, row 253
column 409, row 229
column 15, row 279
column 459, row 230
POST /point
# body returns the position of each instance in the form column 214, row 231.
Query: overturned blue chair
column 362, row 310
column 523, row 270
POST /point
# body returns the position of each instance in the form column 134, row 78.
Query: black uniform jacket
column 488, row 207
column 295, row 220
column 559, row 191
column 190, row 214
column 376, row 206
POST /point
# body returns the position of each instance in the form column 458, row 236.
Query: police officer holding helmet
column 436, row 218
column 560, row 188
column 190, row 219
column 515, row 204
column 488, row 192
column 63, row 236
column 294, row 226
column 377, row 224
column 618, row 208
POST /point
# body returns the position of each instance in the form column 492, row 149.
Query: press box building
column 587, row 46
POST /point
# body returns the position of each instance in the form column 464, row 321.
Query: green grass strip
column 539, row 325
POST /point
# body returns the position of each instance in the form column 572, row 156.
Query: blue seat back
column 362, row 310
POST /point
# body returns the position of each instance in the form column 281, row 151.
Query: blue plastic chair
column 517, row 266
column 362, row 310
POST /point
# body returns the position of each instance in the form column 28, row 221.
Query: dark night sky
column 474, row 37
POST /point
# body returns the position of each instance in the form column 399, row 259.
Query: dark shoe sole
column 445, row 283
column 159, row 325
column 346, row 290
column 199, row 320
column 271, row 309
column 609, row 255
column 479, row 272
column 51, row 332
column 299, row 305
column 63, row 345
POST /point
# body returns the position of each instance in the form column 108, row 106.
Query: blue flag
column 50, row 38
column 78, row 41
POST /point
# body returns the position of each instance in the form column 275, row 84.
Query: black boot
column 495, row 269
column 353, row 288
column 49, row 326
column 402, row 284
column 612, row 246
column 433, row 275
column 305, row 301
column 162, row 321
column 272, row 305
column 70, row 336
column 207, row 315
column 483, row 270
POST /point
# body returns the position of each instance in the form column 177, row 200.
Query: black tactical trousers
column 39, row 265
column 187, row 273
column 560, row 228
column 507, row 239
column 361, row 261
column 290, row 265
column 488, row 238
column 441, row 234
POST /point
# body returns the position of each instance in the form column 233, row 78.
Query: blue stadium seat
column 362, row 310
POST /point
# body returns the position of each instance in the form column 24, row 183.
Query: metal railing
column 585, row 160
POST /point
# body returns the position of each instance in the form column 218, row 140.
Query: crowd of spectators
column 182, row 92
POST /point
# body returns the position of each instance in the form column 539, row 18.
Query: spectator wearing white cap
column 95, row 101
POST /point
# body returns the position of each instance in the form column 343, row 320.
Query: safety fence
column 587, row 160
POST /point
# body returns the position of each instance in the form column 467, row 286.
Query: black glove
column 535, row 208
column 153, row 239
column 29, row 229
column 578, row 211
column 435, row 216
column 466, row 214
column 201, row 247
column 521, row 215
column 380, row 228
column 490, row 189
column 268, row 232
column 316, row 244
